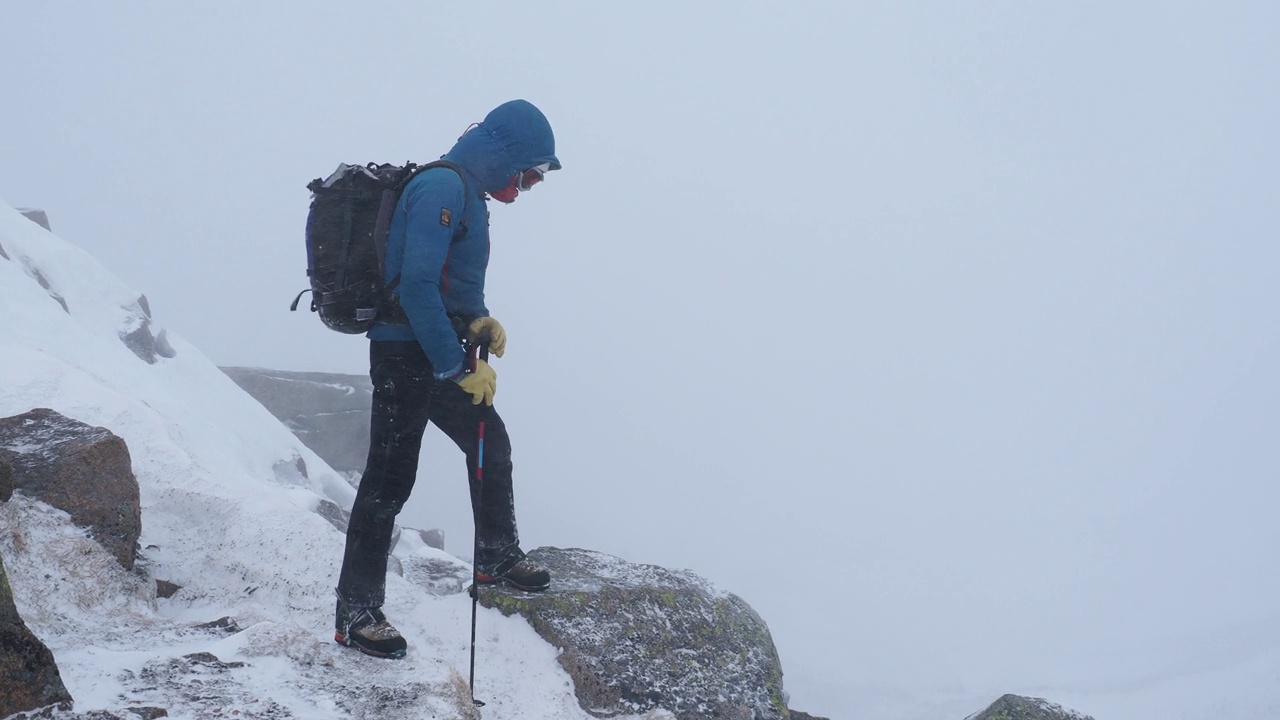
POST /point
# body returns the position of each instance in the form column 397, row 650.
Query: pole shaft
column 476, row 351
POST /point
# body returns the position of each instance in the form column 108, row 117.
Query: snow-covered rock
column 1017, row 707
column 37, row 216
column 636, row 638
column 83, row 470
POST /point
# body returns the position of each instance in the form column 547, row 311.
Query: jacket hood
column 514, row 137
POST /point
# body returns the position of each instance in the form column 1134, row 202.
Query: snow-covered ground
column 228, row 517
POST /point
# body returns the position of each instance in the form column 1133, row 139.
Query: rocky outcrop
column 29, row 677
column 328, row 412
column 1016, row 707
column 138, row 336
column 6, row 480
column 40, row 218
column 432, row 538
column 36, row 216
column 44, row 283
column 83, row 470
column 136, row 332
column 637, row 638
column 337, row 517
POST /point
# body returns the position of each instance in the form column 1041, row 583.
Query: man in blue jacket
column 438, row 246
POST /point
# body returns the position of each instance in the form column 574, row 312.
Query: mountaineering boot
column 524, row 574
column 367, row 630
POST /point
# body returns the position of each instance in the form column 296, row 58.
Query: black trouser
column 405, row 397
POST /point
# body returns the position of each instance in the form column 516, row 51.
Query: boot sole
column 512, row 583
column 346, row 642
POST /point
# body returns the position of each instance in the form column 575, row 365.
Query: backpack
column 347, row 230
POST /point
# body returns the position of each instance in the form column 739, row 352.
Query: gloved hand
column 482, row 384
column 487, row 329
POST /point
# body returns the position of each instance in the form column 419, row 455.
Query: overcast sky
column 943, row 333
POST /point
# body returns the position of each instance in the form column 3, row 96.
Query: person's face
column 521, row 181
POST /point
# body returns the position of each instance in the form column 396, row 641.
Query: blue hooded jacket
column 441, row 274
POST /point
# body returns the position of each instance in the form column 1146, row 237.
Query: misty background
column 942, row 333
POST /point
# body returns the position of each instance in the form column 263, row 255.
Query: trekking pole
column 476, row 350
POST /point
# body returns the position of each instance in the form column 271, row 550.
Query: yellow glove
column 482, row 384
column 486, row 330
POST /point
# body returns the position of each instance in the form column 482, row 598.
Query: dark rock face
column 29, row 677
column 6, row 479
column 1016, row 707
column 433, row 538
column 438, row 576
column 44, row 283
column 328, row 412
column 78, row 468
column 336, row 516
column 637, row 638
column 36, row 216
column 166, row 589
column 138, row 336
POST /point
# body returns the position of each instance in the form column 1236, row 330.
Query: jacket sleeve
column 427, row 244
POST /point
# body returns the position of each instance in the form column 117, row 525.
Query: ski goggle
column 532, row 176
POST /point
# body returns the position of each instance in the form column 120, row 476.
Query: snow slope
column 228, row 516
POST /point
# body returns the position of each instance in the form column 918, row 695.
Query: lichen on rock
column 636, row 638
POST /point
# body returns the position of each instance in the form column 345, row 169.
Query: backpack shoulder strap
column 459, row 233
